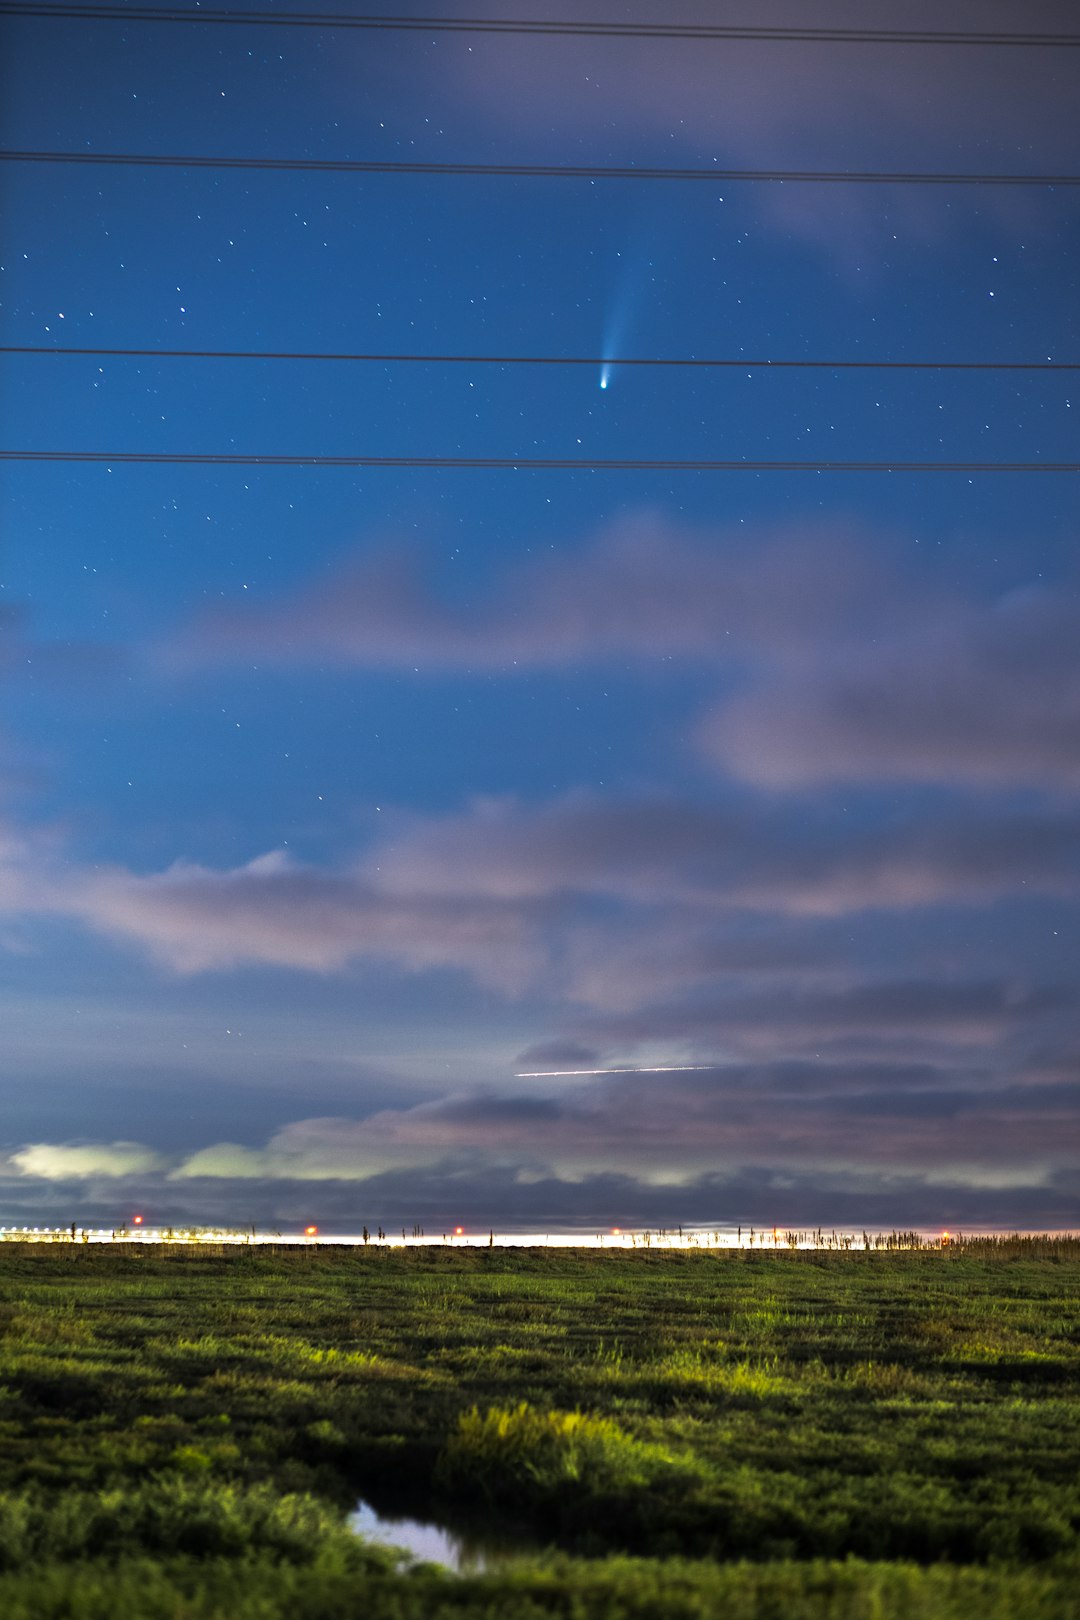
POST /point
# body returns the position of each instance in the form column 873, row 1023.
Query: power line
column 534, row 463
column 594, row 361
column 524, row 25
column 549, row 171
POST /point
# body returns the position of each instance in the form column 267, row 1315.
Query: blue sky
column 336, row 800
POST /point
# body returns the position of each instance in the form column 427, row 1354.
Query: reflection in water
column 464, row 1554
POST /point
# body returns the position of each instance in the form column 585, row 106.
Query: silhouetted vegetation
column 784, row 1433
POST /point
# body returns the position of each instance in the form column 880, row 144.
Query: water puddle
column 465, row 1553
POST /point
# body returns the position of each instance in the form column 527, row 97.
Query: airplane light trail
column 658, row 1068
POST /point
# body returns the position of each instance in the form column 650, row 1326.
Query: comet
column 626, row 296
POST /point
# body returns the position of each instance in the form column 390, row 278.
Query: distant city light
column 698, row 1237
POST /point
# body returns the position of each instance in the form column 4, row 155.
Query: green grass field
column 853, row 1436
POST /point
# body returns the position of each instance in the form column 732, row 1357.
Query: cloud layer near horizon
column 771, row 1144
column 800, row 944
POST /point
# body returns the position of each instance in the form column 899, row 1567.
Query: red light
column 311, row 1231
column 137, row 1220
column 458, row 1231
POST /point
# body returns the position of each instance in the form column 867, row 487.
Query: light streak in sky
column 621, row 308
column 656, row 1068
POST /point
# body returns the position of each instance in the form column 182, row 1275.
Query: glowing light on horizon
column 655, row 1068
column 137, row 1220
column 311, row 1231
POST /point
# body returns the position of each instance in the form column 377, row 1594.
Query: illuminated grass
column 896, row 1408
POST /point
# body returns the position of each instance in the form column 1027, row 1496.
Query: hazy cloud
column 558, row 1055
column 862, row 1016
column 442, row 1197
column 796, row 106
column 807, row 859
column 67, row 1162
column 790, row 1143
column 985, row 695
column 676, row 1126
column 644, row 587
column 845, row 661
column 598, row 900
column 276, row 911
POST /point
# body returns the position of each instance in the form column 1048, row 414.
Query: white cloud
column 228, row 1161
column 274, row 910
column 52, row 1161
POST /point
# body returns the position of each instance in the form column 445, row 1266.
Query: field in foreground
column 797, row 1435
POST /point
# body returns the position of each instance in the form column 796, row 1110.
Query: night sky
column 342, row 806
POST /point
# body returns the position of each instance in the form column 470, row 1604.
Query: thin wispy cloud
column 847, row 657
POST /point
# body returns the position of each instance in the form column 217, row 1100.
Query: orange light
column 311, row 1231
column 458, row 1231
column 137, row 1220
column 616, row 1231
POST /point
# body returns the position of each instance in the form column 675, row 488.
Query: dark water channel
column 470, row 1552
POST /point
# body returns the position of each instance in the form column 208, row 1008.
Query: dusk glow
column 557, row 811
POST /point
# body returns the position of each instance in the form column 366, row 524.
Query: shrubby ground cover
column 852, row 1436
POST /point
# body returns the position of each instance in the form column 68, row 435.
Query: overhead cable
column 547, row 171
column 575, row 28
column 596, row 362
column 534, row 463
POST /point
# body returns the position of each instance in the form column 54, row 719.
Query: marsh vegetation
column 185, row 1434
